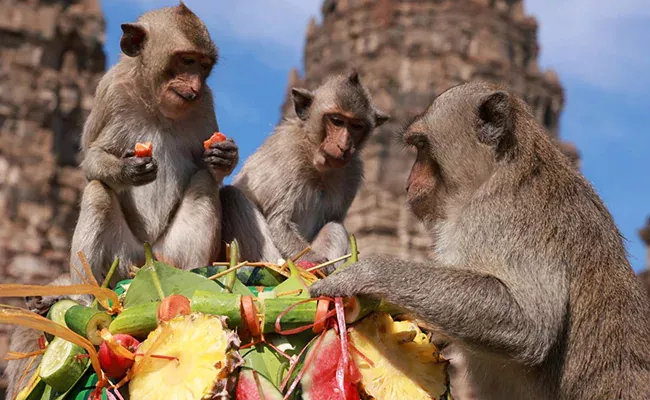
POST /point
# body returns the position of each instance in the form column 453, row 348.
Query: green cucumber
column 60, row 367
column 226, row 304
column 137, row 321
column 57, row 314
column 87, row 322
column 300, row 315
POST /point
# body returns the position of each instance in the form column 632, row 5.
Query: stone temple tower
column 407, row 52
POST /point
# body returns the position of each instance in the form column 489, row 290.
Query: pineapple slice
column 207, row 356
column 406, row 364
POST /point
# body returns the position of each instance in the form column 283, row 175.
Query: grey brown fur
column 155, row 93
column 292, row 192
column 528, row 280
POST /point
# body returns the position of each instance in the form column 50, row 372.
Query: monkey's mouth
column 323, row 160
column 187, row 96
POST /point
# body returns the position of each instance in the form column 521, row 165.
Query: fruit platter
column 232, row 330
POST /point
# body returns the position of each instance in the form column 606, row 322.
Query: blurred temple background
column 52, row 56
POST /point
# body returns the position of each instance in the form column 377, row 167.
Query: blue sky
column 598, row 47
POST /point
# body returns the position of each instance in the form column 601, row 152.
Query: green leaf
column 156, row 280
column 268, row 362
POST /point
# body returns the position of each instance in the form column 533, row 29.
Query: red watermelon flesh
column 252, row 385
column 319, row 379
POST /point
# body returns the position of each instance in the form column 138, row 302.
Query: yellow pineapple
column 405, row 365
column 206, row 356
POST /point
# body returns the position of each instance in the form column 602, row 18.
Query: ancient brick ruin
column 51, row 58
column 408, row 51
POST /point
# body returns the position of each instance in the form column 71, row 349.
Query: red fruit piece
column 252, row 385
column 114, row 365
column 304, row 264
column 319, row 380
column 143, row 149
column 215, row 138
column 172, row 306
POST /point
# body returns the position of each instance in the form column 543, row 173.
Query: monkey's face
column 425, row 184
column 342, row 136
column 185, row 86
column 338, row 117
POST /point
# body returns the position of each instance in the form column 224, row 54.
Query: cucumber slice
column 60, row 368
column 137, row 321
column 87, row 322
column 57, row 314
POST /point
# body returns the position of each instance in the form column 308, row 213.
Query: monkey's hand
column 222, row 158
column 41, row 305
column 362, row 278
column 138, row 171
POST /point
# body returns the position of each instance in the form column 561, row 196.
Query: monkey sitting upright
column 529, row 279
column 156, row 93
column 295, row 190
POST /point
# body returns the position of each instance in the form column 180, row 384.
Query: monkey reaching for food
column 529, row 277
column 156, row 93
column 295, row 190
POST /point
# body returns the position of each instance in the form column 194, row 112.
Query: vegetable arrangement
column 225, row 332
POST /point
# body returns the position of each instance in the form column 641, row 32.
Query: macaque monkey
column 529, row 281
column 295, row 190
column 156, row 93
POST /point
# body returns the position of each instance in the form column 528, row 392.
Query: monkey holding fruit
column 165, row 190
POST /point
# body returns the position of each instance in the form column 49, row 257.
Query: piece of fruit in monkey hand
column 217, row 137
column 143, row 149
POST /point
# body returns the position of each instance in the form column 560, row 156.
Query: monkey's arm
column 479, row 309
column 288, row 239
column 118, row 173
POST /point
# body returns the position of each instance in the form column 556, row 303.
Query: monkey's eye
column 206, row 65
column 355, row 126
column 337, row 121
column 420, row 144
column 187, row 61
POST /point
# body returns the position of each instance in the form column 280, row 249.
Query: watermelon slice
column 319, row 379
column 252, row 385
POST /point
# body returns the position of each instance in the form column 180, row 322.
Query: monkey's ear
column 133, row 38
column 380, row 117
column 353, row 76
column 495, row 112
column 302, row 99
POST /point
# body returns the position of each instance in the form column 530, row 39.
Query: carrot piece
column 250, row 315
column 319, row 319
column 143, row 149
column 217, row 137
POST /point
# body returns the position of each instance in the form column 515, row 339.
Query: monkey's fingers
column 129, row 153
column 218, row 162
column 228, row 145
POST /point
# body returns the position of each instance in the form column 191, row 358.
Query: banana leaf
column 156, row 280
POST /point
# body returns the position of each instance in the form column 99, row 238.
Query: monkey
column 528, row 281
column 156, row 93
column 295, row 190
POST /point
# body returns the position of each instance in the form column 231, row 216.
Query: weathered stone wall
column 51, row 59
column 408, row 51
